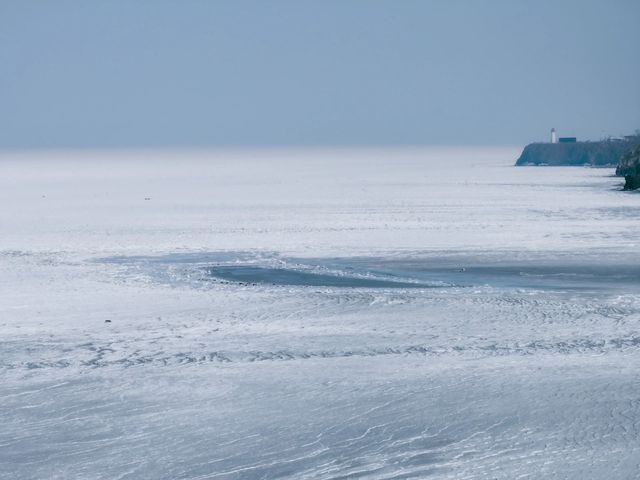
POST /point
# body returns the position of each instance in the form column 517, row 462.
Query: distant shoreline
column 605, row 153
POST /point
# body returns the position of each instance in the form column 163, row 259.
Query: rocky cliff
column 596, row 154
column 629, row 167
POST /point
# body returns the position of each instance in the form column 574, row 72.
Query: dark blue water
column 282, row 276
column 468, row 272
column 566, row 272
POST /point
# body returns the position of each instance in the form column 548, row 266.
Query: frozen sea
column 317, row 314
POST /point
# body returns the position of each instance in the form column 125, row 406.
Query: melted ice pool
column 556, row 274
column 283, row 276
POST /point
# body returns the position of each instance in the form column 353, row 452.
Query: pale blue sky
column 332, row 72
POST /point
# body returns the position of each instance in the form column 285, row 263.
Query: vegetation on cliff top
column 629, row 167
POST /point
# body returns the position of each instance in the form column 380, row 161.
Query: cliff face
column 629, row 166
column 597, row 154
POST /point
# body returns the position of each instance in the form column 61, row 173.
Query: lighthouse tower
column 554, row 136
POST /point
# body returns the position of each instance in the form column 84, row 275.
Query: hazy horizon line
column 248, row 147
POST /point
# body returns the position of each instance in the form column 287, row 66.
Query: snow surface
column 157, row 320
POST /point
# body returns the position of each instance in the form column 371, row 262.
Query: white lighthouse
column 554, row 136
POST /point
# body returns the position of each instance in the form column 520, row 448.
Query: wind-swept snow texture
column 317, row 314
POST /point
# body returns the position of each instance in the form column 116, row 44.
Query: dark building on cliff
column 555, row 139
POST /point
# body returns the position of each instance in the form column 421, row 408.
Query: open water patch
column 560, row 273
column 251, row 274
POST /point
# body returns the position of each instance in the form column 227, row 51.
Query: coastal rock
column 629, row 167
column 605, row 153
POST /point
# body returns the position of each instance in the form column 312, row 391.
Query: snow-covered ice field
column 317, row 314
